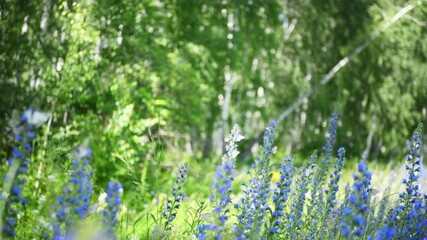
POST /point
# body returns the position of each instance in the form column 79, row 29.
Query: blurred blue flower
column 355, row 211
column 334, row 180
column 222, row 187
column 74, row 204
column 113, row 200
column 172, row 205
column 18, row 167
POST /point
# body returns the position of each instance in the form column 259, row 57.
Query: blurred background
column 154, row 83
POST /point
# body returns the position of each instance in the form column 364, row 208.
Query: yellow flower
column 276, row 176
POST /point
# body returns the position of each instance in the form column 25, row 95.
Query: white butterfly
column 239, row 137
column 235, row 132
column 374, row 191
column 310, row 170
column 274, row 150
column 82, row 151
column 35, row 117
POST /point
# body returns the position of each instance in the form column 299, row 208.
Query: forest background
column 153, row 83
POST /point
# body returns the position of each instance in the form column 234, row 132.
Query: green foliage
column 143, row 81
column 100, row 57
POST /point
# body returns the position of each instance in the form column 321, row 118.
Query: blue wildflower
column 280, row 195
column 113, row 200
column 386, row 233
column 327, row 149
column 405, row 219
column 409, row 212
column 222, row 187
column 355, row 211
column 172, row 205
column 316, row 205
column 334, row 180
column 254, row 205
column 14, row 178
column 74, row 204
column 295, row 223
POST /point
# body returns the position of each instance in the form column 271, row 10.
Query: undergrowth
column 310, row 202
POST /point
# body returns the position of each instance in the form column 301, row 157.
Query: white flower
column 43, row 222
column 94, row 208
column 123, row 208
column 42, row 198
column 101, row 198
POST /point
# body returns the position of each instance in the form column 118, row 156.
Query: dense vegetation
column 107, row 98
column 302, row 204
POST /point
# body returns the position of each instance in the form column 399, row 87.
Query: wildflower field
column 270, row 201
column 201, row 119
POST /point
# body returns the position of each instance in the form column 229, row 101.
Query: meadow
column 267, row 201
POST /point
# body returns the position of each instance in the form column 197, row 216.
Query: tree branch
column 328, row 77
